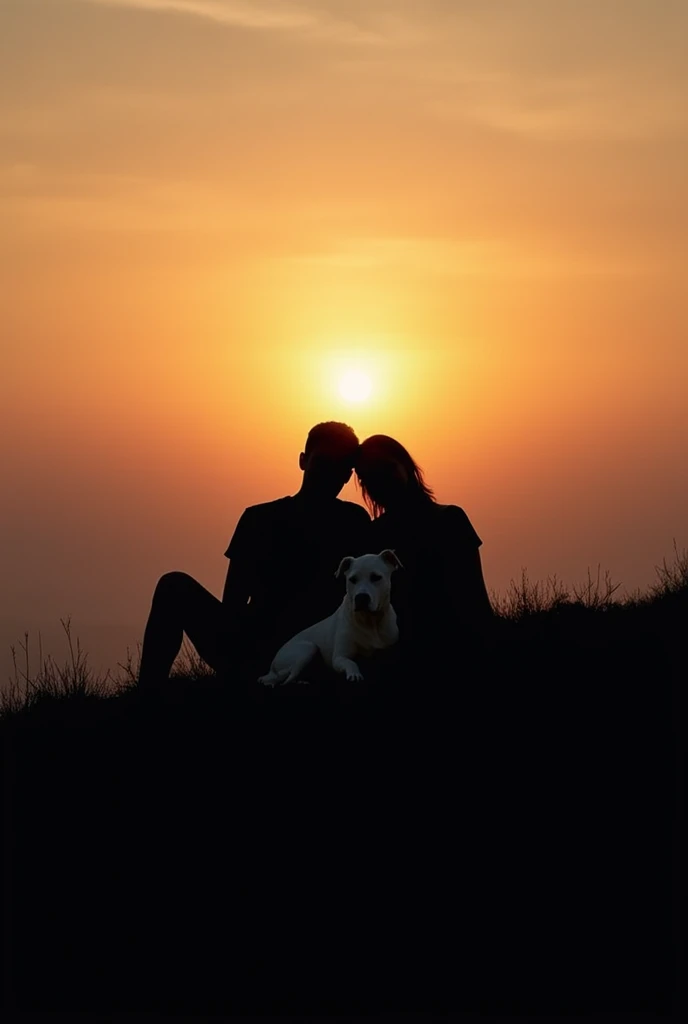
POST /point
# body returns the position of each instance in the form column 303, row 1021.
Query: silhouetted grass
column 498, row 839
column 75, row 683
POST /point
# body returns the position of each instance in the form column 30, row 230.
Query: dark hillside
column 506, row 845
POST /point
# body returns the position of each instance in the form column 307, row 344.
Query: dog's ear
column 390, row 557
column 344, row 565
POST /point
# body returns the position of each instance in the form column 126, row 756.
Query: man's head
column 328, row 458
column 368, row 580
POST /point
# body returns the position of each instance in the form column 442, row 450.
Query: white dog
column 364, row 622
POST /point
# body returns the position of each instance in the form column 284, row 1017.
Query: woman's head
column 388, row 476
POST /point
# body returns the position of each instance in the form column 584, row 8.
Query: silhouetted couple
column 284, row 554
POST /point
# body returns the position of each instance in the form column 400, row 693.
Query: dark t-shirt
column 292, row 549
column 430, row 545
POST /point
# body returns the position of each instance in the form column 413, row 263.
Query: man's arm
column 239, row 581
column 237, row 586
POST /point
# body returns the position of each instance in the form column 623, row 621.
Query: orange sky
column 209, row 208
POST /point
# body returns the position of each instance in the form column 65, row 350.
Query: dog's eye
column 375, row 577
column 353, row 579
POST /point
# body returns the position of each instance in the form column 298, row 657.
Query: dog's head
column 368, row 580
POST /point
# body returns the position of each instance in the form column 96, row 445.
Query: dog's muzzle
column 361, row 602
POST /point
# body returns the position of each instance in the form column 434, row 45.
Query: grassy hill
column 502, row 840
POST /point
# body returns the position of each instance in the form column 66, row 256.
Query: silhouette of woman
column 440, row 597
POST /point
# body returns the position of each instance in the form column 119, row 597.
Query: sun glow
column 382, row 385
column 355, row 386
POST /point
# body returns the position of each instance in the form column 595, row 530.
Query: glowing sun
column 355, row 386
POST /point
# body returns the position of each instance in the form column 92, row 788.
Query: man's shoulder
column 288, row 509
column 266, row 509
column 253, row 522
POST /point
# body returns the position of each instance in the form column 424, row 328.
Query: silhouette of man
column 283, row 557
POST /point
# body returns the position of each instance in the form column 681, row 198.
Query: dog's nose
column 361, row 601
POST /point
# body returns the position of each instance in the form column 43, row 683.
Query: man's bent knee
column 172, row 584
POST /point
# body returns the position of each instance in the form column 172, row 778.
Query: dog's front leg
column 342, row 663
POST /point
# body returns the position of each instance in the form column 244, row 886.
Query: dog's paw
column 354, row 675
column 268, row 680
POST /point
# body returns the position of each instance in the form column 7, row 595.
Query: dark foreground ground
column 507, row 845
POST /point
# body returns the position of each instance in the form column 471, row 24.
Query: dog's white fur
column 365, row 621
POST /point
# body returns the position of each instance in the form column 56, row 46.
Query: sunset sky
column 211, row 210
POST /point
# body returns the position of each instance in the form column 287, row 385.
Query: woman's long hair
column 384, row 447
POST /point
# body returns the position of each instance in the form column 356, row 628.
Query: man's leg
column 181, row 605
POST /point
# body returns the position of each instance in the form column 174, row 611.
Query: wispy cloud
column 575, row 107
column 255, row 14
column 450, row 257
